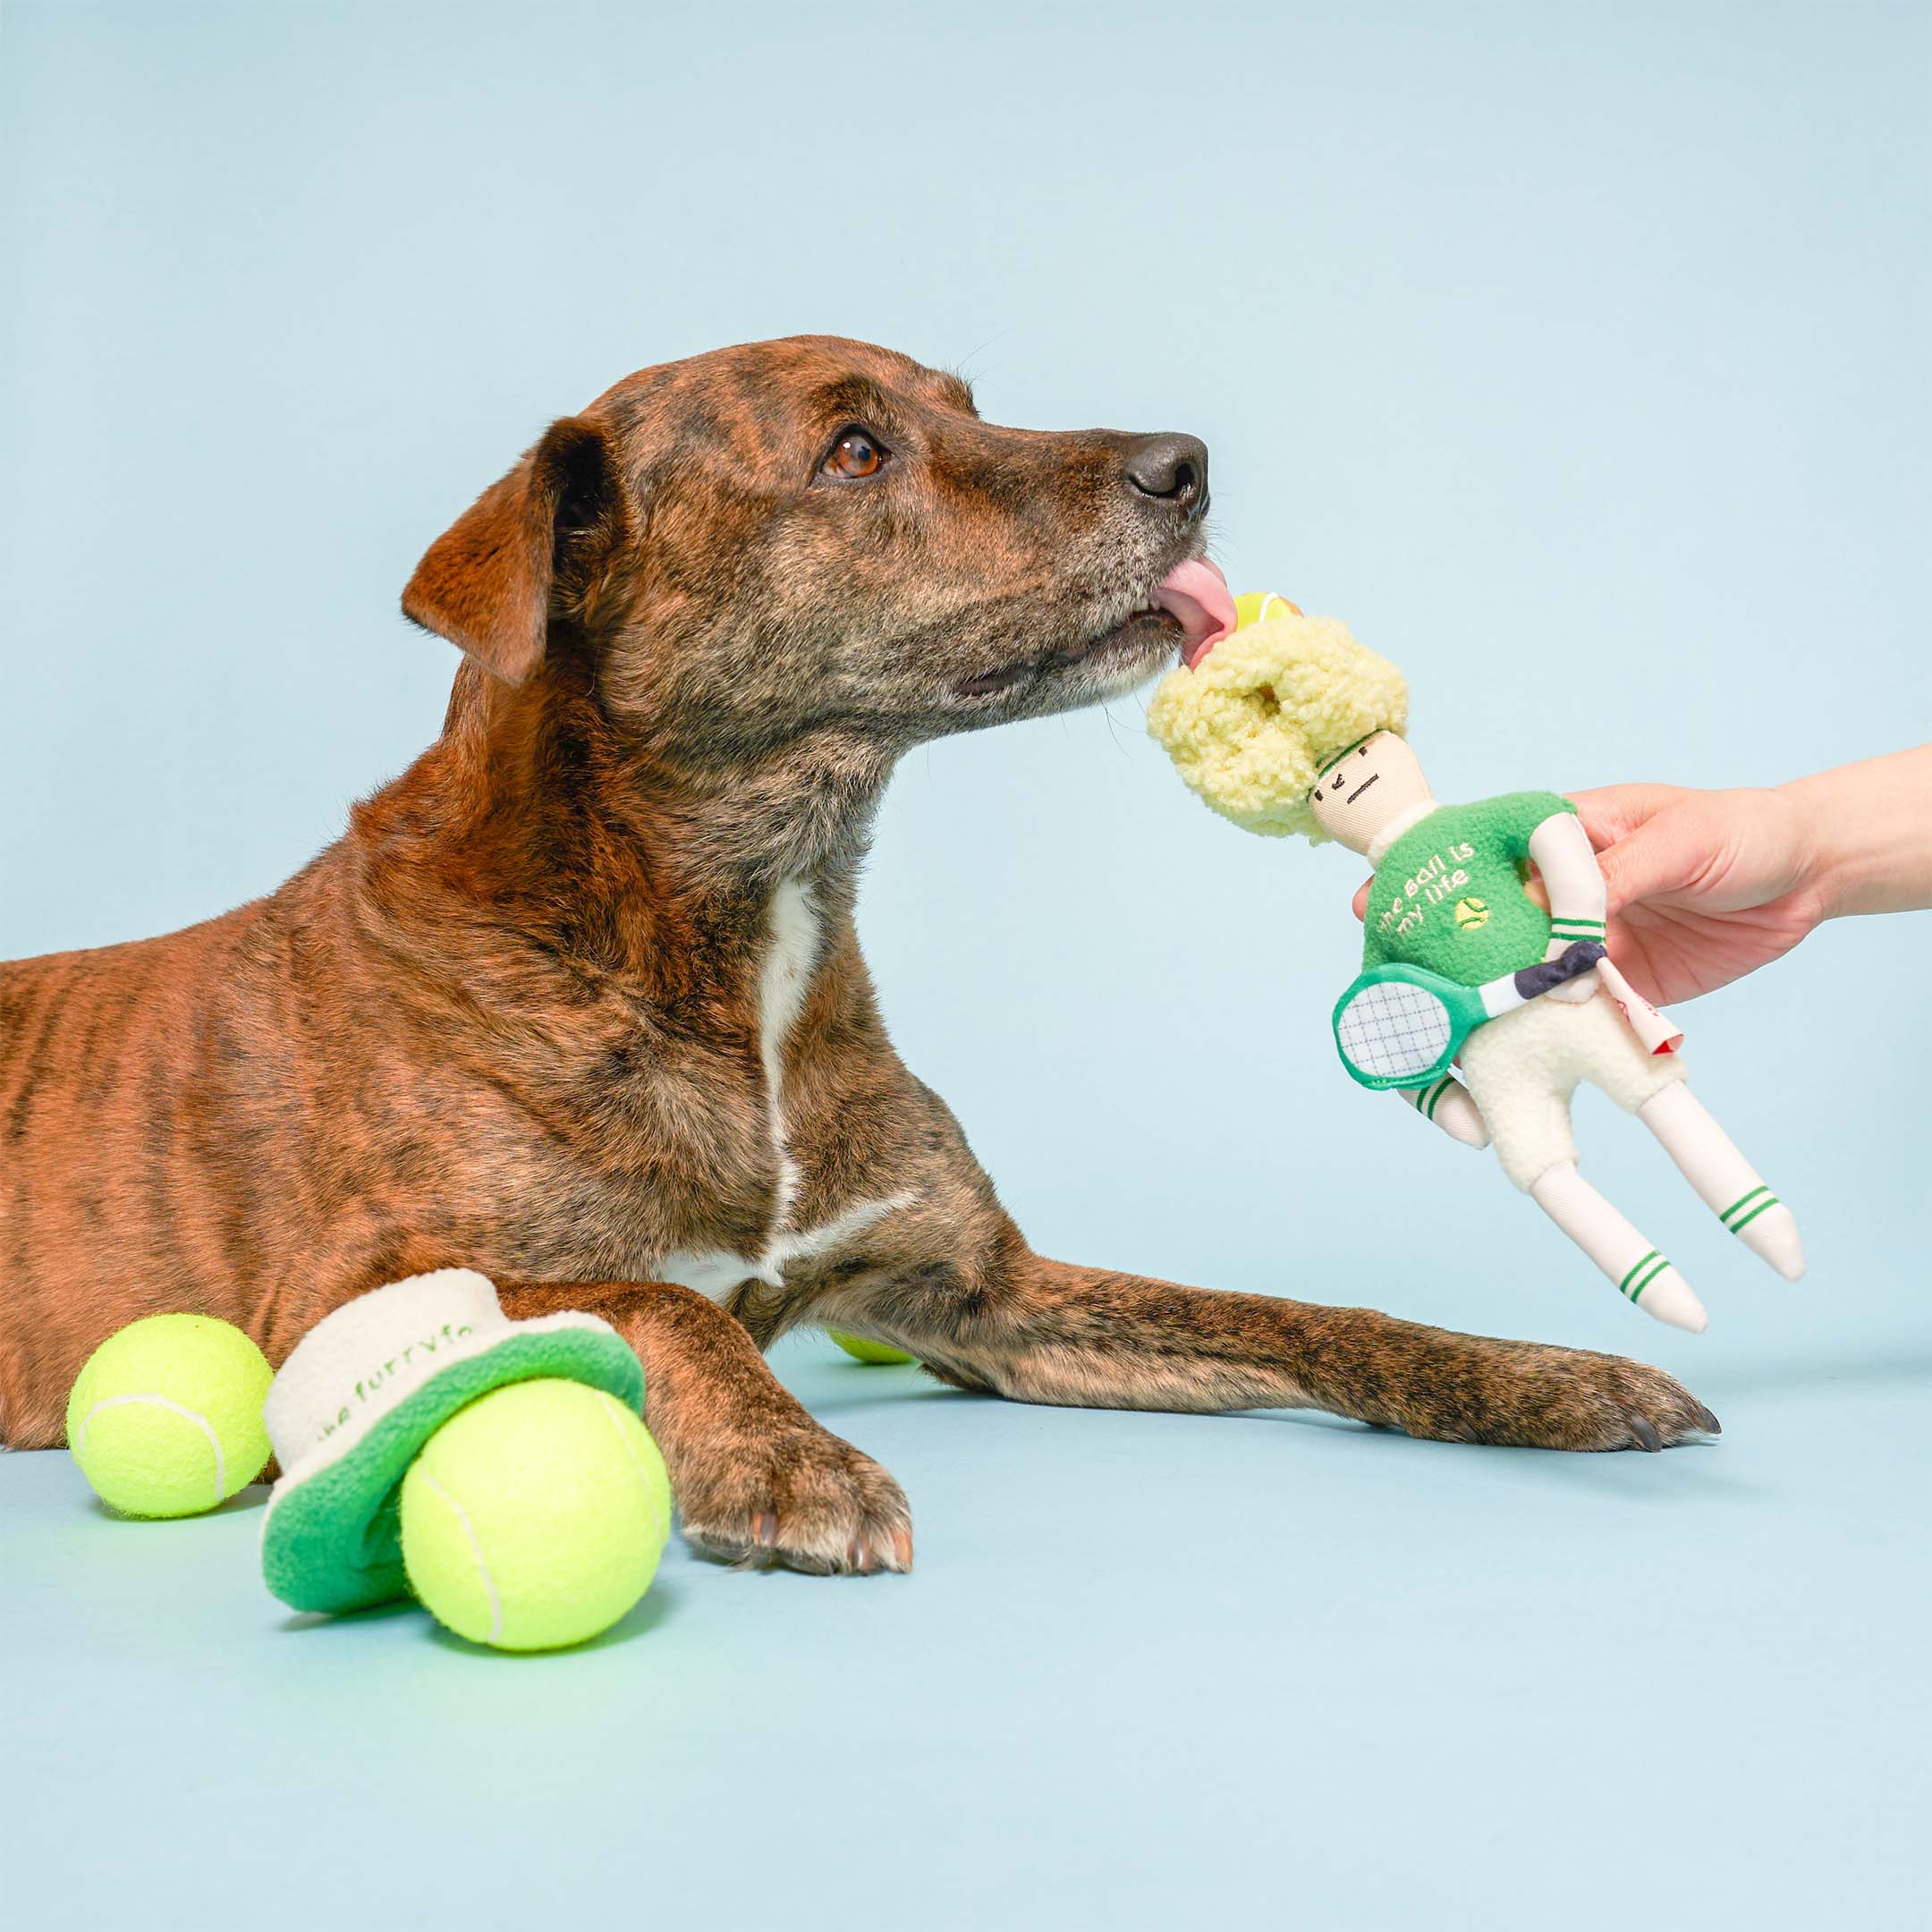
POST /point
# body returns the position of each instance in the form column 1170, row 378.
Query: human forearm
column 1869, row 827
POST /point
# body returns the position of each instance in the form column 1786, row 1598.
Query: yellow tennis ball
column 861, row 1350
column 165, row 1418
column 1471, row 913
column 535, row 1518
column 1256, row 606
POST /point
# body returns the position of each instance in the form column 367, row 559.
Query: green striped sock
column 1747, row 1207
column 1645, row 1271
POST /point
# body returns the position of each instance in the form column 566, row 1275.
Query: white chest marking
column 790, row 956
column 791, row 953
column 715, row 1273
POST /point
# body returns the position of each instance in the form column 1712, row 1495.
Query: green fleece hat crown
column 362, row 1393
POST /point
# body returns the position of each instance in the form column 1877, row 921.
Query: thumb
column 1361, row 901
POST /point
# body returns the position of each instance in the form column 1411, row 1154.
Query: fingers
column 1613, row 813
column 1644, row 848
column 1662, row 856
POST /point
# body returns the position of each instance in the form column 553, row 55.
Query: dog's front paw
column 1525, row 1395
column 802, row 1499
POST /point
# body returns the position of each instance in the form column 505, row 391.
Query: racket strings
column 1393, row 1029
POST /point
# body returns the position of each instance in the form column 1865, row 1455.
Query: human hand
column 1703, row 886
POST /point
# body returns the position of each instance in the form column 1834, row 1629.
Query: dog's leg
column 1048, row 1332
column 755, row 1478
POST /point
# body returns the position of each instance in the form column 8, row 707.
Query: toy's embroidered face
column 1368, row 787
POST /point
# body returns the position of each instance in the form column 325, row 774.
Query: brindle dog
column 577, row 1001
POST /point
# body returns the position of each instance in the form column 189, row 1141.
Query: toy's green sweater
column 1449, row 892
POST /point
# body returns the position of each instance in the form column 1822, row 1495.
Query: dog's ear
column 528, row 547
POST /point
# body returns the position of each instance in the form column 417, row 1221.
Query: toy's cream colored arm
column 1573, row 880
column 1446, row 1101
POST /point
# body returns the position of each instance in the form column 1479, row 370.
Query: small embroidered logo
column 1470, row 914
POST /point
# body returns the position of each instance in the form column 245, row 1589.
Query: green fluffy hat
column 362, row 1393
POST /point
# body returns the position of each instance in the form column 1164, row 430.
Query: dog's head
column 811, row 536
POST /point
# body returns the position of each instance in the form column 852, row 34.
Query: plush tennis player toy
column 1284, row 725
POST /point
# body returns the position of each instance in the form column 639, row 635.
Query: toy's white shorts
column 1521, row 1070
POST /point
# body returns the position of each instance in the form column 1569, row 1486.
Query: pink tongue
column 1197, row 593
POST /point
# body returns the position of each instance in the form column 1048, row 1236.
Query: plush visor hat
column 362, row 1393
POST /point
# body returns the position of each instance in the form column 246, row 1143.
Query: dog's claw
column 1708, row 1422
column 816, row 1504
column 1530, row 1395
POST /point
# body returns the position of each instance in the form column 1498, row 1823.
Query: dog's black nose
column 1172, row 468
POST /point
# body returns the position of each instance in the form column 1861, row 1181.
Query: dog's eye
column 854, row 456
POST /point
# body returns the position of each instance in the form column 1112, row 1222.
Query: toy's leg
column 1447, row 1102
column 1726, row 1182
column 1521, row 1070
column 1640, row 1272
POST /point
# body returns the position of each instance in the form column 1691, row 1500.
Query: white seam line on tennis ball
column 609, row 1403
column 475, row 1550
column 161, row 1402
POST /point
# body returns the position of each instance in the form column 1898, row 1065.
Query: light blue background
column 1576, row 355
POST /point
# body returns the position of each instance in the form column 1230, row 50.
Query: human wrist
column 1818, row 844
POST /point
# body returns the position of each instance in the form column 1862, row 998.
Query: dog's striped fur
column 577, row 999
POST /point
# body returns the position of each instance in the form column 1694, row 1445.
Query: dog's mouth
column 1196, row 594
column 1189, row 607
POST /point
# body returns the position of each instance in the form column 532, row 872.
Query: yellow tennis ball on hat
column 535, row 1518
column 1471, row 913
column 165, row 1418
column 1256, row 606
